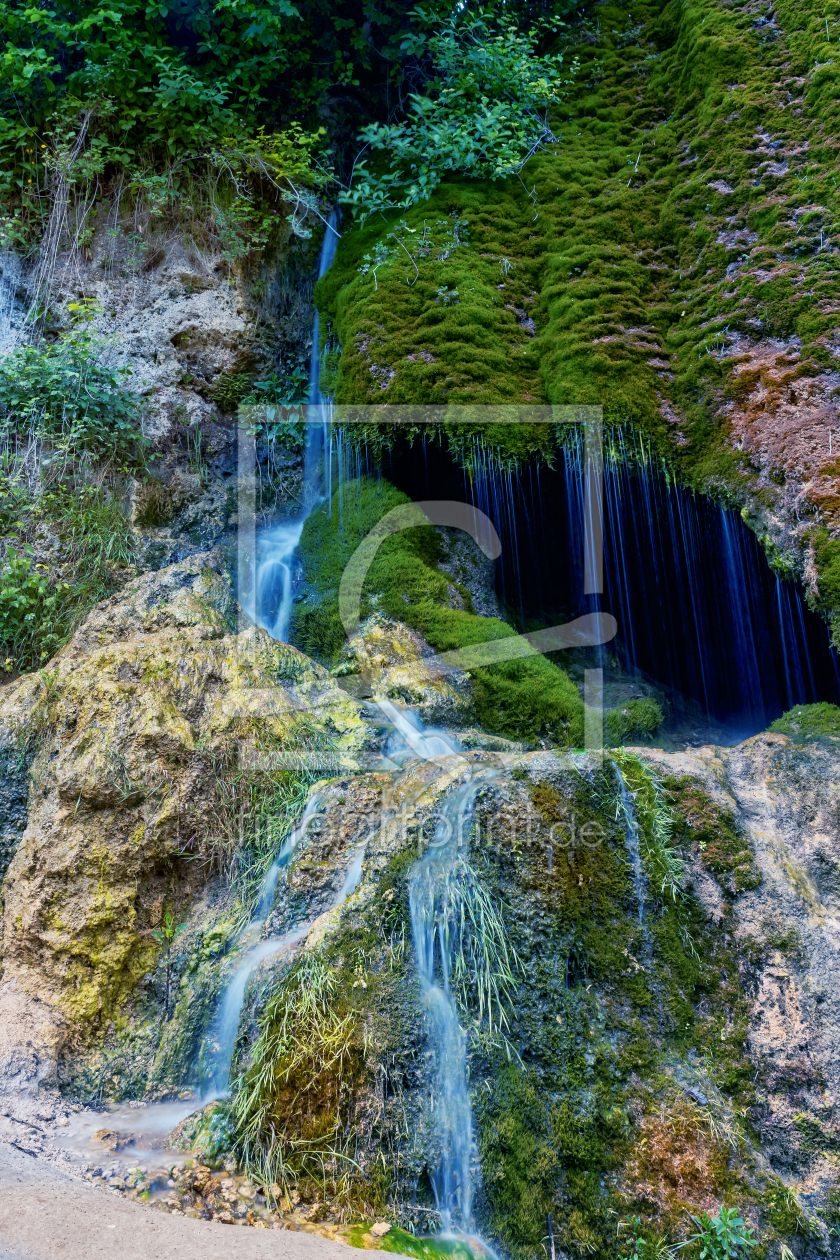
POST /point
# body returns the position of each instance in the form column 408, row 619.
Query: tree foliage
column 483, row 112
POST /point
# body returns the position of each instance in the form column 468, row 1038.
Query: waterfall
column 276, row 546
column 317, row 422
column 699, row 610
column 435, row 937
column 634, row 852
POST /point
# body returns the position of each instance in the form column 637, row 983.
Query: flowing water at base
column 435, row 936
column 135, row 1131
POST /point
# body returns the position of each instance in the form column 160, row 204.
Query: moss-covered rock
column 138, row 725
column 528, row 698
column 671, row 260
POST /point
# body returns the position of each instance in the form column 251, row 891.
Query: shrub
column 483, row 115
column 723, row 1237
column 30, row 611
column 38, row 610
column 64, row 394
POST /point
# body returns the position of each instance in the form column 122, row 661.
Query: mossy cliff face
column 677, row 1059
column 673, row 260
column 137, row 724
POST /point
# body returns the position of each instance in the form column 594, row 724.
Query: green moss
column 532, row 1143
column 621, row 268
column 827, row 557
column 524, row 698
column 638, row 719
column 784, row 1211
column 721, row 844
column 404, row 1244
column 806, row 722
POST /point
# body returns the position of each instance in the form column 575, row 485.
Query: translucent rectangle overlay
column 323, row 422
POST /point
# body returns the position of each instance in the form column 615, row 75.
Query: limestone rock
column 787, row 798
column 153, row 696
column 387, row 660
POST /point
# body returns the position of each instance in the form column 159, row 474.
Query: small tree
column 167, row 936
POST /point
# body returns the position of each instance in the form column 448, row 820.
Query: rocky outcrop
column 387, row 660
column 785, row 797
column 646, row 1053
column 154, row 700
column 682, row 1052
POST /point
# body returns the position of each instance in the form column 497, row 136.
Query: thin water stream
column 434, row 935
column 257, row 950
column 276, row 546
column 634, row 852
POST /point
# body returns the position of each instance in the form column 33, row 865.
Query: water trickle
column 276, row 546
column 233, row 998
column 634, row 852
column 421, row 741
column 293, row 839
column 434, row 934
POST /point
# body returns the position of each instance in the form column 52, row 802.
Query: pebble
column 194, row 1190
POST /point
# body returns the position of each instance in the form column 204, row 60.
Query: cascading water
column 434, row 935
column 413, row 735
column 699, row 609
column 276, row 546
column 258, row 950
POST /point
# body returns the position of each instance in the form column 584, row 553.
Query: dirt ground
column 46, row 1215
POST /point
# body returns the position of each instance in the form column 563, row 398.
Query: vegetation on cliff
column 669, row 259
column 633, row 211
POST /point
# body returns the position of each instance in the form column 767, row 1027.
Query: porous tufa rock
column 130, row 721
